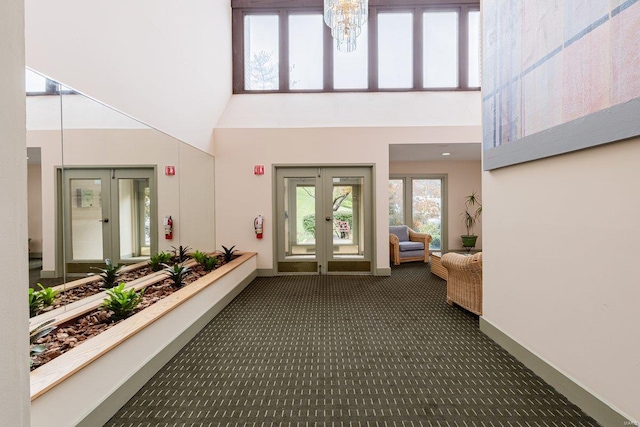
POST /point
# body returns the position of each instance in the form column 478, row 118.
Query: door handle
column 104, row 220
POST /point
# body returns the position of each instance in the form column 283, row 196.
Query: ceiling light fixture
column 345, row 18
column 446, row 154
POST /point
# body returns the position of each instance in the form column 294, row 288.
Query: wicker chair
column 464, row 282
column 408, row 245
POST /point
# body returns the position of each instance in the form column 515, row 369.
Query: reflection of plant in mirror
column 47, row 295
column 177, row 273
column 35, row 301
column 35, row 334
column 205, row 260
column 158, row 259
column 109, row 274
column 122, row 302
column 199, row 256
column 228, row 253
column 181, row 253
column 209, row 263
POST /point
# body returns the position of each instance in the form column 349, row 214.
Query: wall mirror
column 101, row 184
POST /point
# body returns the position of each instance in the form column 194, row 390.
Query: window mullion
column 327, row 50
column 418, row 61
column 284, row 51
column 373, row 48
column 463, row 48
column 237, row 28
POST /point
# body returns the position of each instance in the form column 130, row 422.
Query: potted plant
column 471, row 214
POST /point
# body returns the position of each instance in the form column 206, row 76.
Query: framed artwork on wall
column 559, row 76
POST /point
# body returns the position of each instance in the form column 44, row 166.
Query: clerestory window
column 406, row 45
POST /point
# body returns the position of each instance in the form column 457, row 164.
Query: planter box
column 88, row 384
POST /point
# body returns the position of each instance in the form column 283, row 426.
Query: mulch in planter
column 73, row 333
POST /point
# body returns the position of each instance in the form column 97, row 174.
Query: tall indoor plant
column 470, row 216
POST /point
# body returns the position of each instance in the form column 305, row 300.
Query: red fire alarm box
column 170, row 170
column 258, row 170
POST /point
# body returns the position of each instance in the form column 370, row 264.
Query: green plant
column 109, row 274
column 209, row 263
column 35, row 301
column 35, row 334
column 177, row 273
column 47, row 295
column 181, row 253
column 121, row 301
column 156, row 261
column 472, row 212
column 199, row 256
column 206, row 261
column 228, row 253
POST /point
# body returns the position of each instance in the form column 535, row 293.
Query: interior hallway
column 346, row 350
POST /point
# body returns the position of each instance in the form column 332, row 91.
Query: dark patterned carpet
column 346, row 351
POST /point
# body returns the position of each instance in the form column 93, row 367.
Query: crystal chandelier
column 345, row 18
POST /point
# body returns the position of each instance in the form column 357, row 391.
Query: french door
column 108, row 214
column 324, row 220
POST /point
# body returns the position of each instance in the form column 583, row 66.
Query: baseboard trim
column 578, row 395
column 266, row 272
column 48, row 274
column 383, row 271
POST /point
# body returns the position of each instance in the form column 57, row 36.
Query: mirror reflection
column 101, row 186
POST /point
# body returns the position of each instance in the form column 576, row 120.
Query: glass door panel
column 296, row 221
column 300, row 223
column 427, row 209
column 134, row 205
column 396, row 202
column 324, row 220
column 349, row 236
column 92, row 233
column 87, row 218
column 347, row 223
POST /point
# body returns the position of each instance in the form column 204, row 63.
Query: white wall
column 560, row 250
column 463, row 177
column 373, row 109
column 160, row 61
column 14, row 362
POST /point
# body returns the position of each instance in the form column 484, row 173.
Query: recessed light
column 446, row 154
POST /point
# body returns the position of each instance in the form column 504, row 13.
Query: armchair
column 464, row 281
column 408, row 245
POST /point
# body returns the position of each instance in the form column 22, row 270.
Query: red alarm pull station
column 170, row 170
column 258, row 170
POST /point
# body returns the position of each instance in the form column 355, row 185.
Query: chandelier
column 345, row 18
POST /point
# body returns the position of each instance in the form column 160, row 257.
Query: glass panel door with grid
column 324, row 220
column 109, row 214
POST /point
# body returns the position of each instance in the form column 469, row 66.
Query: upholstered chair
column 408, row 245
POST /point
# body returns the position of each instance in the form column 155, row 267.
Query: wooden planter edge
column 56, row 371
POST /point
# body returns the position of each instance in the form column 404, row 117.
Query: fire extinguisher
column 258, row 224
column 168, row 227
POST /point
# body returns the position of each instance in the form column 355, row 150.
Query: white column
column 14, row 317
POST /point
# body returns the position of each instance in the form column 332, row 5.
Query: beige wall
column 34, row 193
column 165, row 64
column 241, row 196
column 559, row 268
column 462, row 179
column 14, row 363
